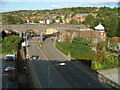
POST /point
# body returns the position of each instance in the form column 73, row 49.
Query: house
column 68, row 20
column 42, row 22
column 62, row 36
column 81, row 17
column 57, row 20
column 47, row 21
column 96, row 35
column 83, row 14
column 100, row 33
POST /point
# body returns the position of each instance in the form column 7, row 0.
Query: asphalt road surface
column 77, row 74
column 44, row 71
column 5, row 83
column 50, row 77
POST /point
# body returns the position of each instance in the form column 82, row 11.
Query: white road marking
column 89, row 84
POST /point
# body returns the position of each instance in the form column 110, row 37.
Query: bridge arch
column 49, row 33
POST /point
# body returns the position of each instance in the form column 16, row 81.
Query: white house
column 47, row 21
column 42, row 22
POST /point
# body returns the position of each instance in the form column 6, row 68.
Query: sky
column 13, row 5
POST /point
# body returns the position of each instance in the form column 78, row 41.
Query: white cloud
column 106, row 0
column 78, row 4
column 10, row 9
column 56, row 6
column 64, row 5
column 38, row 0
column 59, row 0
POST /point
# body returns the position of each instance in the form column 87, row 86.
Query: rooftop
column 99, row 27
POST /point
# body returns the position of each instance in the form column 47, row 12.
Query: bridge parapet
column 100, row 77
column 33, row 79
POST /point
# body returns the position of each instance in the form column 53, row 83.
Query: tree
column 18, row 20
column 80, row 49
column 111, row 44
column 9, row 19
column 109, row 19
column 24, row 21
column 11, row 43
column 89, row 20
column 36, row 20
column 96, row 22
column 61, row 20
column 101, row 45
column 73, row 15
column 118, row 30
column 111, row 25
column 73, row 22
column 53, row 21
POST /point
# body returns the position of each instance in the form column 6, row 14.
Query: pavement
column 112, row 74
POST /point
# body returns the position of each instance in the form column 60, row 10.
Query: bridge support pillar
column 41, row 37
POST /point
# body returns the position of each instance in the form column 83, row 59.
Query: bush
column 10, row 44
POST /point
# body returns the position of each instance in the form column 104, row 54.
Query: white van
column 11, row 55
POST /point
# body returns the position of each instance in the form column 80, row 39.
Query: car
column 11, row 55
column 35, row 57
column 10, row 58
column 9, row 68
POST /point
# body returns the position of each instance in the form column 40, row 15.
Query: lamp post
column 60, row 64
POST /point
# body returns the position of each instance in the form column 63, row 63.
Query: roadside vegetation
column 80, row 48
column 10, row 44
column 39, row 42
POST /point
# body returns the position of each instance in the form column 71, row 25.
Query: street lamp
column 60, row 64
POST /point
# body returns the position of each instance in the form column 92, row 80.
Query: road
column 69, row 76
column 5, row 83
column 77, row 74
column 45, row 73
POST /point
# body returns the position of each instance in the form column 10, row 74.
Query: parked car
column 11, row 55
column 10, row 58
column 35, row 57
column 9, row 68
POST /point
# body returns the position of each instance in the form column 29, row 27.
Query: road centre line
column 62, row 73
